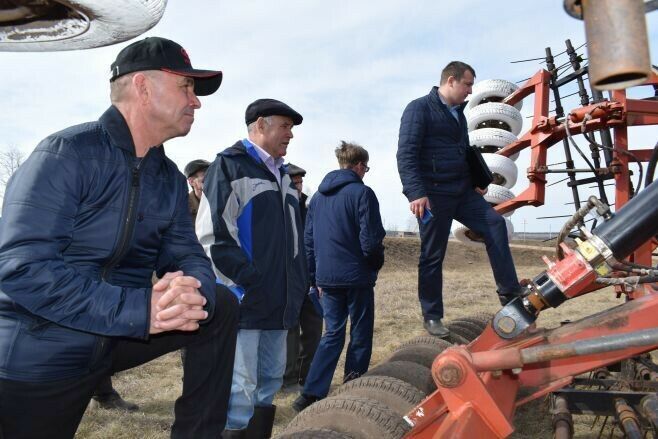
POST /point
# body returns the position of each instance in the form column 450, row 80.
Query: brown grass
column 469, row 288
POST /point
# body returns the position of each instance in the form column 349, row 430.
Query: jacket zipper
column 128, row 222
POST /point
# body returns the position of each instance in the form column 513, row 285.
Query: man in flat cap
column 86, row 219
column 250, row 226
column 195, row 171
column 302, row 341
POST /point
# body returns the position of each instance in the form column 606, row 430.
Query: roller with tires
column 492, row 125
column 374, row 405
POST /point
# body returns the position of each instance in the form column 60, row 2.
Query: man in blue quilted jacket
column 86, row 219
column 343, row 239
column 435, row 177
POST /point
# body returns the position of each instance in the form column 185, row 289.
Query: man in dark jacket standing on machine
column 435, row 177
column 343, row 239
column 250, row 226
column 85, row 219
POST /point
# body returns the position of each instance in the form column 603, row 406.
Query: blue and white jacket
column 250, row 227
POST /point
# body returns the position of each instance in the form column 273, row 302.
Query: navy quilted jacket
column 83, row 226
column 344, row 233
column 432, row 149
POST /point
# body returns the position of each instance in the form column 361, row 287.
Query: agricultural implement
column 601, row 364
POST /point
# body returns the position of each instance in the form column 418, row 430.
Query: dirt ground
column 469, row 288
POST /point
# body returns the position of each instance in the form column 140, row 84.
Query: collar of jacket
column 244, row 147
column 117, row 128
column 434, row 98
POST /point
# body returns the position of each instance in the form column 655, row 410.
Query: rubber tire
column 479, row 321
column 491, row 88
column 504, row 167
column 495, row 112
column 412, row 373
column 497, row 194
column 467, row 329
column 437, row 344
column 360, row 418
column 492, row 137
column 392, row 392
column 457, row 339
column 459, row 233
column 109, row 22
column 418, row 354
column 313, row 433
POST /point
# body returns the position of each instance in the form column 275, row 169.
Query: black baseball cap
column 195, row 166
column 155, row 53
column 270, row 107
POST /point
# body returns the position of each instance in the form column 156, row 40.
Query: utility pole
column 525, row 221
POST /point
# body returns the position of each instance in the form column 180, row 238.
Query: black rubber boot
column 261, row 423
column 234, row 434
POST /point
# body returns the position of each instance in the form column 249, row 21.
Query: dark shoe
column 113, row 401
column 261, row 423
column 304, row 401
column 436, row 328
column 288, row 389
column 234, row 434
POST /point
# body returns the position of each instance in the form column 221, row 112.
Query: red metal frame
column 479, row 385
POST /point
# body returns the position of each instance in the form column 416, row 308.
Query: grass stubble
column 468, row 288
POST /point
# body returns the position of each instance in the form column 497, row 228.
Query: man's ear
column 142, row 87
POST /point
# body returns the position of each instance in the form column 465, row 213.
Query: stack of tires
column 373, row 406
column 492, row 125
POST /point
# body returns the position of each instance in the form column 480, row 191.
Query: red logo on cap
column 186, row 57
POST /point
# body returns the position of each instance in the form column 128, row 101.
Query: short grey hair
column 252, row 126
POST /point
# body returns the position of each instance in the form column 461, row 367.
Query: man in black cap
column 195, row 171
column 250, row 226
column 86, row 219
column 302, row 341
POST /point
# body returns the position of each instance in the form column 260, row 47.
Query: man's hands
column 176, row 304
column 418, row 206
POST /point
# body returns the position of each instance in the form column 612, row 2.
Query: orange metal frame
column 481, row 385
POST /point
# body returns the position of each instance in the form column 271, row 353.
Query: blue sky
column 350, row 68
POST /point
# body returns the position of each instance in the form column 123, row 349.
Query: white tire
column 465, row 236
column 495, row 115
column 504, row 169
column 488, row 138
column 497, row 194
column 491, row 88
column 89, row 23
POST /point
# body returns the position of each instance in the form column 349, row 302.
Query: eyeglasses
column 366, row 168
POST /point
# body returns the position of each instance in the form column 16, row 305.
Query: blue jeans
column 474, row 212
column 338, row 303
column 260, row 360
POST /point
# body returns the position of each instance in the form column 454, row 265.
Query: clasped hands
column 176, row 304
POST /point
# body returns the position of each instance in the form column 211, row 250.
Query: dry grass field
column 469, row 288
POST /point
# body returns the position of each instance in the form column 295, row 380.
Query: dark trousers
column 302, row 342
column 474, row 212
column 53, row 410
column 338, row 303
column 104, row 388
